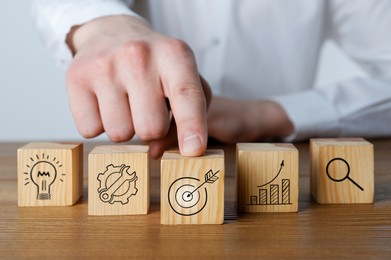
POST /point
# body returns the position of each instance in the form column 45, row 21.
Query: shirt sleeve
column 55, row 18
column 357, row 106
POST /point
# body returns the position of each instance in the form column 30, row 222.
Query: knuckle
column 178, row 46
column 134, row 53
column 189, row 90
column 83, row 71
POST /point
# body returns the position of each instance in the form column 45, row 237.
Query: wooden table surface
column 326, row 231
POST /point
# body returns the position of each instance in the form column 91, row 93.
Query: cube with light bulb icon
column 50, row 174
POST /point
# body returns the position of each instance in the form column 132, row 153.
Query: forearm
column 233, row 121
column 356, row 107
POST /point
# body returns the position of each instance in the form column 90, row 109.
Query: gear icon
column 116, row 184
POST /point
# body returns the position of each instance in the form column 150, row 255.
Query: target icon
column 186, row 195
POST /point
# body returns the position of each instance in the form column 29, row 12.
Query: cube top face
column 50, row 145
column 118, row 149
column 352, row 141
column 342, row 170
column 50, row 174
column 209, row 154
column 267, row 177
column 265, row 147
column 118, row 180
column 192, row 188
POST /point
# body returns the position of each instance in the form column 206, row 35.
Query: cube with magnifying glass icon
column 342, row 170
column 50, row 174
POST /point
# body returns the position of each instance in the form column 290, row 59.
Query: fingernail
column 191, row 144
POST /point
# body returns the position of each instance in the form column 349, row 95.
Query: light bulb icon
column 43, row 174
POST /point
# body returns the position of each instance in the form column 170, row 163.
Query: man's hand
column 121, row 76
column 233, row 121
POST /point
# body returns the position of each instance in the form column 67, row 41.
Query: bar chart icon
column 273, row 193
column 279, row 194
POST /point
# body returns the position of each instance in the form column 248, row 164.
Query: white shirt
column 266, row 49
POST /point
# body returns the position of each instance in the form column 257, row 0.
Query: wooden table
column 326, row 231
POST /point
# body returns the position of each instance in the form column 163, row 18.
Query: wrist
column 117, row 26
column 273, row 119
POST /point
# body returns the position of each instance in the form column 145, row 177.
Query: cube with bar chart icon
column 267, row 177
column 342, row 170
column 192, row 188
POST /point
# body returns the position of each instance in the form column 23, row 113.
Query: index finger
column 182, row 86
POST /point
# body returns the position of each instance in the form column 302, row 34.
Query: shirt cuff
column 77, row 14
column 311, row 115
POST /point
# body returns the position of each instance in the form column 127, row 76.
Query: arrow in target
column 210, row 177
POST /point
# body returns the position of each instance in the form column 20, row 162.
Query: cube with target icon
column 118, row 180
column 192, row 188
column 50, row 174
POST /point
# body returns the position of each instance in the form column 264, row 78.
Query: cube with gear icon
column 118, row 180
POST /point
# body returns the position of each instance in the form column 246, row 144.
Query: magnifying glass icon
column 345, row 177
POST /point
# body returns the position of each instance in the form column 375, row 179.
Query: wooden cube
column 192, row 188
column 50, row 174
column 118, row 180
column 342, row 170
column 267, row 177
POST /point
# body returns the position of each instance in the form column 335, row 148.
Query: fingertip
column 89, row 131
column 192, row 146
column 155, row 151
column 120, row 135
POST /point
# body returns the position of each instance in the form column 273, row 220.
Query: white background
column 33, row 100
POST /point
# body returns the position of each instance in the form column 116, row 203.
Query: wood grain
column 267, row 176
column 121, row 173
column 50, row 174
column 358, row 231
column 342, row 170
column 192, row 188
